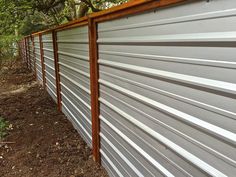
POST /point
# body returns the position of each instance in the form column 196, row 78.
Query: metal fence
column 73, row 56
column 149, row 85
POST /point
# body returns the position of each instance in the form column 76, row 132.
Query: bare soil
column 40, row 141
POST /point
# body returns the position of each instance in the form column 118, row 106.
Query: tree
column 26, row 16
column 22, row 17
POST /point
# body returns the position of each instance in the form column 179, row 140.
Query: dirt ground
column 40, row 140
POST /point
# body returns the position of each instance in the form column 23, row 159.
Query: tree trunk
column 83, row 10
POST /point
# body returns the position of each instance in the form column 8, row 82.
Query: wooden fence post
column 94, row 86
column 56, row 64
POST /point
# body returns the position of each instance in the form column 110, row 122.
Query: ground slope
column 41, row 142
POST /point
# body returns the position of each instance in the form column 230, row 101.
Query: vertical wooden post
column 94, row 86
column 42, row 60
column 56, row 64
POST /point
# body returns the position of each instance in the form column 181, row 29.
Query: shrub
column 8, row 48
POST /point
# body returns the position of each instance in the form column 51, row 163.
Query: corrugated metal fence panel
column 49, row 64
column 38, row 59
column 73, row 56
column 24, row 51
column 31, row 54
column 168, row 91
column 27, row 53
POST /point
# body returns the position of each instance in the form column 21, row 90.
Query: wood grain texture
column 93, row 53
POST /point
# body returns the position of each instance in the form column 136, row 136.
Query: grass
column 3, row 128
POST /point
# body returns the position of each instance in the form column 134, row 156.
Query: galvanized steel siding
column 31, row 54
column 23, row 50
column 38, row 59
column 49, row 65
column 168, row 91
column 74, row 69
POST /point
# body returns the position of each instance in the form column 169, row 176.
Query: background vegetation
column 22, row 17
column 3, row 128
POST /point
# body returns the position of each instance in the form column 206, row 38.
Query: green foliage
column 23, row 17
column 8, row 47
column 26, row 16
column 105, row 4
column 3, row 128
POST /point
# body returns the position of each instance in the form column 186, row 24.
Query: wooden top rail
column 131, row 7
